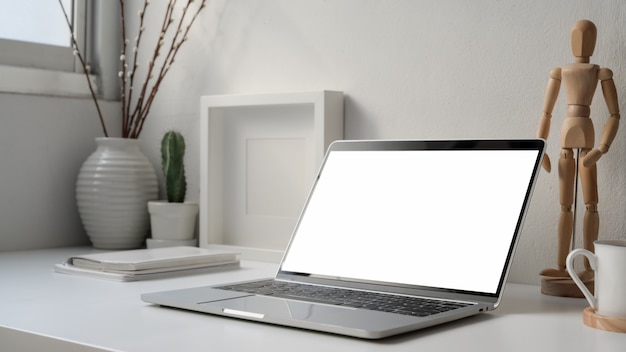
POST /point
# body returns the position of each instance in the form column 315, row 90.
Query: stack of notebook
column 145, row 264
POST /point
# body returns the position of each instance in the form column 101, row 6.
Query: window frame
column 42, row 69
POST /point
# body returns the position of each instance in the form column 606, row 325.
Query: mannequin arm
column 552, row 93
column 610, row 129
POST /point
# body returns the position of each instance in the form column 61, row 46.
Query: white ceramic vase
column 172, row 221
column 113, row 187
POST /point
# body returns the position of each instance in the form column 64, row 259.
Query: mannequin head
column 584, row 35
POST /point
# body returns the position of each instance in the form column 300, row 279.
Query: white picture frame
column 259, row 155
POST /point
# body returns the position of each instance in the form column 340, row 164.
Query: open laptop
column 395, row 236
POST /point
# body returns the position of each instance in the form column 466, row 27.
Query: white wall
column 412, row 69
column 409, row 69
column 43, row 142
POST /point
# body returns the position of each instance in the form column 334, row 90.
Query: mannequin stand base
column 602, row 322
column 563, row 287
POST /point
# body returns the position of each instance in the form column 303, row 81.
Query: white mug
column 609, row 264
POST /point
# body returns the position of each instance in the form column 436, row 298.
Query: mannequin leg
column 591, row 224
column 567, row 174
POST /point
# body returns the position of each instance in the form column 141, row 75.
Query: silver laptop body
column 405, row 218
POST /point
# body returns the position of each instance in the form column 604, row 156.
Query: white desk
column 61, row 310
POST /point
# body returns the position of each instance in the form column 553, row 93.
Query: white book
column 145, row 264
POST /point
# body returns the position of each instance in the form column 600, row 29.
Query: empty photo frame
column 259, row 157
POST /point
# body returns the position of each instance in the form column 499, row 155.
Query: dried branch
column 128, row 119
column 122, row 73
column 135, row 110
column 175, row 45
column 85, row 67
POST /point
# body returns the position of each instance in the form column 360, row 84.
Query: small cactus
column 172, row 154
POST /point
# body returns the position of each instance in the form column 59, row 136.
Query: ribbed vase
column 113, row 188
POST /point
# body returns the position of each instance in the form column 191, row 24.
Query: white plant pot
column 172, row 221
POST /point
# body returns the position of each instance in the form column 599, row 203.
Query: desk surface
column 92, row 312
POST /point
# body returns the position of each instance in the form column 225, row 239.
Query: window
column 31, row 21
column 33, row 33
column 36, row 56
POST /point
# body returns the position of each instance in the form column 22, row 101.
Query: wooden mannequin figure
column 580, row 80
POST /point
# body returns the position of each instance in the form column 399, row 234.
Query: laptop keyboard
column 413, row 306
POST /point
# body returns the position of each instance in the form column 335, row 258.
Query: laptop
column 395, row 236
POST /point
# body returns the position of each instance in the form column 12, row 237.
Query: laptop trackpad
column 283, row 311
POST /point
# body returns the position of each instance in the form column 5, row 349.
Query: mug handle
column 570, row 269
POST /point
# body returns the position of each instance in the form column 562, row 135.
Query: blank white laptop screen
column 435, row 203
